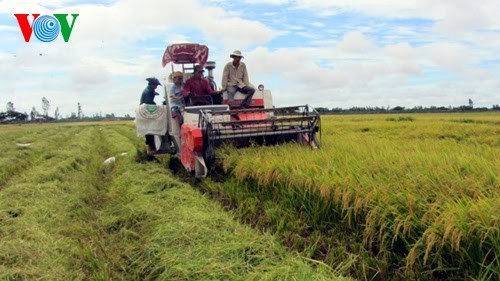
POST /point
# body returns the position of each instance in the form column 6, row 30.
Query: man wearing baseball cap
column 197, row 88
column 235, row 78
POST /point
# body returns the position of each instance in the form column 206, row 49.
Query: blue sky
column 323, row 53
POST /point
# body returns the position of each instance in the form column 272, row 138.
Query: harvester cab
column 195, row 131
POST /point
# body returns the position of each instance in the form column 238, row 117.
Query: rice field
column 65, row 215
column 419, row 194
column 387, row 197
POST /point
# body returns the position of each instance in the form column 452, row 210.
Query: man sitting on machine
column 197, row 90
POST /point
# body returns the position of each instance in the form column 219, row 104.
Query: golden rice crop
column 430, row 181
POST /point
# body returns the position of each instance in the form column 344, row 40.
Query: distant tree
column 10, row 116
column 33, row 114
column 464, row 108
column 322, row 109
column 45, row 106
column 416, row 109
column 10, row 107
column 398, row 108
column 471, row 103
column 56, row 113
column 80, row 114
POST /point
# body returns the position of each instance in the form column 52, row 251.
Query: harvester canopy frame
column 185, row 53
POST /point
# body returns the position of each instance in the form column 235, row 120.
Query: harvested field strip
column 71, row 217
column 14, row 158
column 53, row 205
column 186, row 239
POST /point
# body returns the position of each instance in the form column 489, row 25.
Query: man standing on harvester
column 148, row 97
column 235, row 78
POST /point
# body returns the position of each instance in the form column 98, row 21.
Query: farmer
column 176, row 97
column 175, row 92
column 148, row 96
column 198, row 88
column 235, row 78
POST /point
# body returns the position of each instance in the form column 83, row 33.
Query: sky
column 324, row 53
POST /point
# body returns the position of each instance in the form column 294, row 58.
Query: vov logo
column 46, row 28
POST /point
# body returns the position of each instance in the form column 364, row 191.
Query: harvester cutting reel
column 301, row 124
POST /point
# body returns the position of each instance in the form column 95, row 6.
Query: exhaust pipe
column 210, row 65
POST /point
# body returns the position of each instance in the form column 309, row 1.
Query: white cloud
column 8, row 28
column 317, row 24
column 451, row 15
column 375, row 55
column 463, row 15
column 237, row 32
column 269, row 2
column 406, row 68
column 105, row 48
column 89, row 76
column 355, row 42
column 452, row 57
column 402, row 51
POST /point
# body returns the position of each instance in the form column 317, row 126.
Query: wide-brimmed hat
column 153, row 81
column 177, row 74
column 236, row 53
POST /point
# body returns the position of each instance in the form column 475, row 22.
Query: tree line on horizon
column 401, row 109
column 11, row 115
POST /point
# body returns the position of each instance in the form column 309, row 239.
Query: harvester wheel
column 209, row 149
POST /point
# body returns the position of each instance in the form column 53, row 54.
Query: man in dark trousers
column 148, row 96
column 235, row 78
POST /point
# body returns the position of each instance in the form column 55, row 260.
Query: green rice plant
column 391, row 181
column 401, row 118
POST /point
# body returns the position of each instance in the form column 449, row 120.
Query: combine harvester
column 204, row 128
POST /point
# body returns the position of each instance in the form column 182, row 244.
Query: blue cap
column 154, row 81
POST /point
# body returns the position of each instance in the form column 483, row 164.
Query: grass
column 66, row 216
